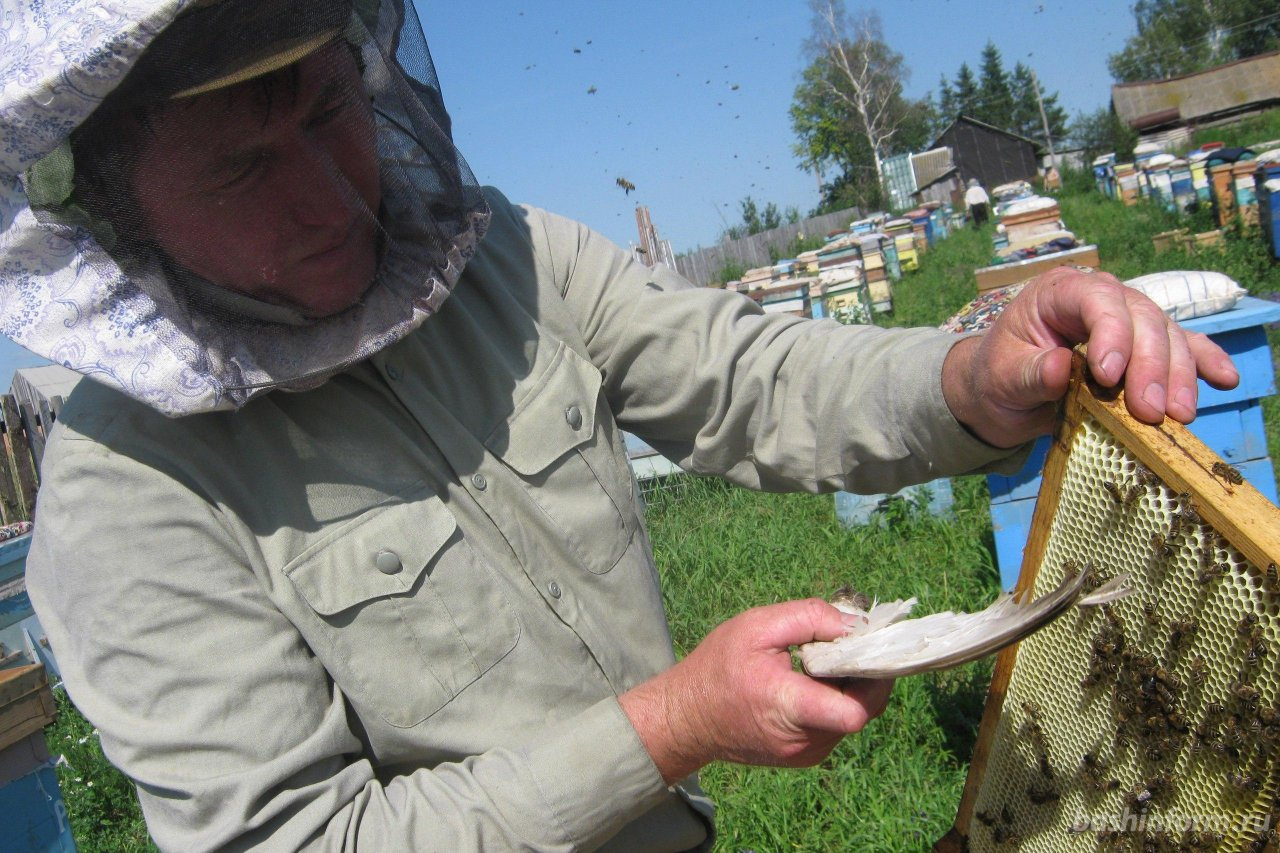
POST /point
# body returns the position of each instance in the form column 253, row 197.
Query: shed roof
column 1191, row 97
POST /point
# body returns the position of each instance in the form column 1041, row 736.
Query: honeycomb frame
column 1153, row 723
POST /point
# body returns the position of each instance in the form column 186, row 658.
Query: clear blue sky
column 665, row 114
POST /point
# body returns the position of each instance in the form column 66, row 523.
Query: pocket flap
column 555, row 415
column 344, row 569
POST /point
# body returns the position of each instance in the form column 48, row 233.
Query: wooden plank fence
column 25, row 425
column 702, row 266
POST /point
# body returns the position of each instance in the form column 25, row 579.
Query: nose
column 318, row 194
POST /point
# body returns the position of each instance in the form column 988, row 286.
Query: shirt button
column 393, row 370
column 554, row 589
column 388, row 562
column 573, row 415
column 479, row 481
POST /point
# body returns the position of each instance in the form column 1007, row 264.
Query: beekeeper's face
column 270, row 187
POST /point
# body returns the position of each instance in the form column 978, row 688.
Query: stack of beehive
column 904, row 241
column 875, row 271
column 1032, row 222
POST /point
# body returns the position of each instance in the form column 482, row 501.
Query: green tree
column 966, row 91
column 1183, row 36
column 1102, row 132
column 946, row 100
column 750, row 215
column 771, row 218
column 848, row 112
column 995, row 97
column 1027, row 120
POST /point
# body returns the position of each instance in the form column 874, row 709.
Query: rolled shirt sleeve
column 769, row 402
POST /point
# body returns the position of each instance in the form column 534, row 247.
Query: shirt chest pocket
column 401, row 610
column 561, row 441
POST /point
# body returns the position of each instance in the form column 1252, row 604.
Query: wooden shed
column 991, row 155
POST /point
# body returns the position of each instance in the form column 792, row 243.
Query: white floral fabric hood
column 64, row 296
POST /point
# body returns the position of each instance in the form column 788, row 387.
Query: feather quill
column 886, row 644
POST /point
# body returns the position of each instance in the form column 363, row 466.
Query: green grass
column 895, row 785
column 101, row 806
column 1254, row 130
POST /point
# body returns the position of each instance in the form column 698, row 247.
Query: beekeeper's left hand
column 1003, row 385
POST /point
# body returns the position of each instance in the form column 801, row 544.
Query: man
column 373, row 572
column 975, row 197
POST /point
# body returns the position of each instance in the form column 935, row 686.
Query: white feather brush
column 886, row 644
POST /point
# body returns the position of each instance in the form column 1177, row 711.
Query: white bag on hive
column 1184, row 294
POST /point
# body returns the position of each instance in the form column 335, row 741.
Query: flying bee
column 1224, row 471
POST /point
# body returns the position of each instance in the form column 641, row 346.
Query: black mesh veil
column 270, row 193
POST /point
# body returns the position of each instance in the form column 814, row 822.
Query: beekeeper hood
column 204, row 201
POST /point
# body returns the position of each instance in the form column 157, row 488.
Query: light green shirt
column 396, row 611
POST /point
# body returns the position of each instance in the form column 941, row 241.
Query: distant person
column 977, row 200
column 1052, row 179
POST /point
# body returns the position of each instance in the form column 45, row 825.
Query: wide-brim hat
column 220, row 43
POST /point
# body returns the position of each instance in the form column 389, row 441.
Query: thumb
column 1040, row 378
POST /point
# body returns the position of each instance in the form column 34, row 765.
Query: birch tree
column 849, row 110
